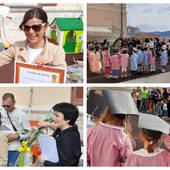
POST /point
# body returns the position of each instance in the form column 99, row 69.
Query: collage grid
column 39, row 98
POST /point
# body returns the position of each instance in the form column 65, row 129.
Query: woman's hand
column 41, row 159
column 41, row 63
column 43, row 124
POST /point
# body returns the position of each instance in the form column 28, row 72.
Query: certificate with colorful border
column 30, row 73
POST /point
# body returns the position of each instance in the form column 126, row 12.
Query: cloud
column 149, row 17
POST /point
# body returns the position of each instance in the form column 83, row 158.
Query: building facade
column 106, row 21
column 132, row 31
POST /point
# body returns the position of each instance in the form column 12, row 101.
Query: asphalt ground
column 157, row 78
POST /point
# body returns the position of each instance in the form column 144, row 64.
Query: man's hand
column 12, row 137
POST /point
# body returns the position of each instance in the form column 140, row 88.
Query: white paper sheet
column 4, row 128
column 48, row 148
column 4, row 11
column 30, row 73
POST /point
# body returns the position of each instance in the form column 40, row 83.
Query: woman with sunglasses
column 35, row 49
column 3, row 148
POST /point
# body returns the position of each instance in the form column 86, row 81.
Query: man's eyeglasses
column 6, row 106
column 36, row 28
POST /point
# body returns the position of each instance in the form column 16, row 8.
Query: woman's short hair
column 69, row 111
column 34, row 13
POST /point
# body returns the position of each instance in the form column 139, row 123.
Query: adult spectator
column 66, row 135
column 153, row 99
column 144, row 100
column 158, row 104
column 138, row 95
column 16, row 120
column 35, row 49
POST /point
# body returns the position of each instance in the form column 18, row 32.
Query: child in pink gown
column 109, row 143
column 90, row 54
column 106, row 62
column 152, row 61
column 150, row 155
column 115, row 63
column 124, row 59
column 106, row 142
column 95, row 61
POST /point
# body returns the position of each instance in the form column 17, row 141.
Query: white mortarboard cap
column 153, row 122
column 120, row 102
column 164, row 47
column 134, row 49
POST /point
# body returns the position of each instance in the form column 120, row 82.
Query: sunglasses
column 6, row 106
column 36, row 28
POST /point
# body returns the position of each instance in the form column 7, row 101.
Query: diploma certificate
column 30, row 73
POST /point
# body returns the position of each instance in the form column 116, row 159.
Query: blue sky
column 149, row 17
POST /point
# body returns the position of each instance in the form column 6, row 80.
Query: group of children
column 114, row 63
column 110, row 141
column 109, row 61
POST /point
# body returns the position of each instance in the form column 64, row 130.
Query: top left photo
column 41, row 43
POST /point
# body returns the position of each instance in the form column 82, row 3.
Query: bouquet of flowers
column 27, row 146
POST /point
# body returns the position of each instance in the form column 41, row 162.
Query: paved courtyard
column 159, row 78
column 150, row 77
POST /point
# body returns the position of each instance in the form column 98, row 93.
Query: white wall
column 44, row 96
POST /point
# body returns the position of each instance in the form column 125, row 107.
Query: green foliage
column 115, row 42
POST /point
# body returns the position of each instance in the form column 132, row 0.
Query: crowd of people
column 152, row 100
column 133, row 55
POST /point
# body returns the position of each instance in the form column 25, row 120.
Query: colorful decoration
column 68, row 32
column 24, row 147
column 28, row 145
